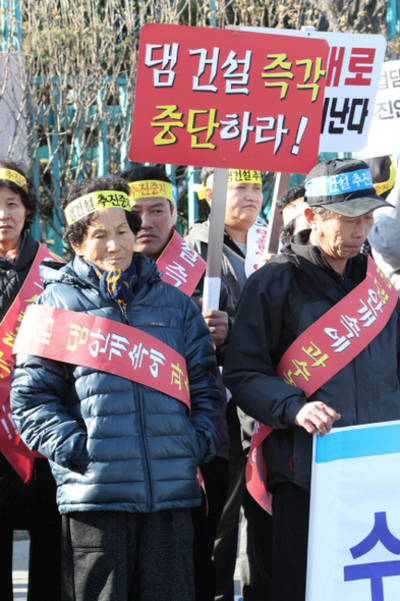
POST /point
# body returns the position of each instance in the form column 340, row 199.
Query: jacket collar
column 27, row 250
column 78, row 272
column 201, row 230
column 302, row 253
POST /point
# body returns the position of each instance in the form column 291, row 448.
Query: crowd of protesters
column 135, row 404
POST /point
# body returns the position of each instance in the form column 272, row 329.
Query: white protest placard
column 352, row 79
column 12, row 118
column 384, row 133
column 354, row 533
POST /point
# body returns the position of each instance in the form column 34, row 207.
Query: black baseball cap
column 343, row 186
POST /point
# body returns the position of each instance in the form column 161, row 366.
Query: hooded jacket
column 115, row 444
column 279, row 302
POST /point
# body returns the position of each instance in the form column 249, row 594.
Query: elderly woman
column 27, row 488
column 106, row 399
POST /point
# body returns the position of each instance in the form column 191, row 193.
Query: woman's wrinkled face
column 12, row 218
column 109, row 241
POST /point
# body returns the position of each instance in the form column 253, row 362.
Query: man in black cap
column 272, row 381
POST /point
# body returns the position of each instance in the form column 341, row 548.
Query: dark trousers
column 255, row 560
column 290, row 537
column 205, row 522
column 44, row 564
column 225, row 548
column 121, row 556
column 255, row 557
column 6, row 551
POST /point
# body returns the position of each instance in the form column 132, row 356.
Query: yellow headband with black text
column 96, row 201
column 235, row 176
column 150, row 188
column 238, row 176
column 244, row 176
column 15, row 177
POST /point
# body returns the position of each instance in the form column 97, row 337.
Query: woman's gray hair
column 75, row 233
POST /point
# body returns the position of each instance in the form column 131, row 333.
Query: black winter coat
column 23, row 506
column 279, row 302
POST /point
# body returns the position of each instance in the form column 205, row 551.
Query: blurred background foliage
column 80, row 62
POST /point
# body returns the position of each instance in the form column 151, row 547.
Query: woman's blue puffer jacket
column 114, row 444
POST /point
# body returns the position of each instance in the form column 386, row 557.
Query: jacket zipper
column 147, row 471
column 146, row 449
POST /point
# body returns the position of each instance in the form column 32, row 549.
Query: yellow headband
column 15, row 177
column 244, row 176
column 150, row 188
column 95, row 201
column 382, row 187
column 293, row 209
column 237, row 176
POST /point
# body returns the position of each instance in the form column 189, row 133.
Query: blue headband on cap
column 331, row 185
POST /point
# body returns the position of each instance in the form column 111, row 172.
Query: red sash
column 321, row 351
column 11, row 445
column 180, row 264
column 105, row 345
column 182, row 267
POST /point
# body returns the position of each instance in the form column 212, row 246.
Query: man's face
column 341, row 237
column 243, row 204
column 156, row 214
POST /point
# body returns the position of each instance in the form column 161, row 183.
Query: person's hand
column 316, row 417
column 264, row 258
column 217, row 322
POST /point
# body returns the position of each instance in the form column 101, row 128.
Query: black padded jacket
column 279, row 302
